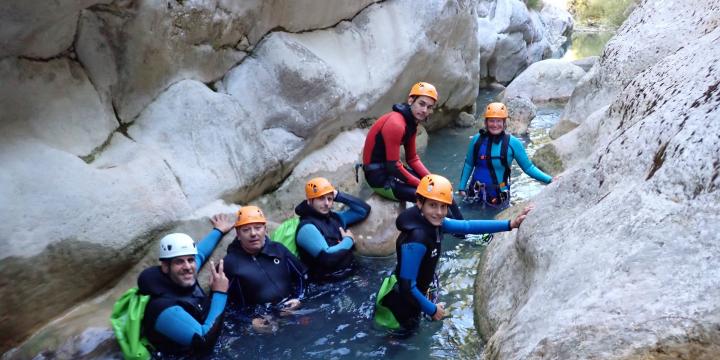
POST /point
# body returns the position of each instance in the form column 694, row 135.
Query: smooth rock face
column 619, row 260
column 39, row 29
column 546, row 81
column 40, row 100
column 335, row 162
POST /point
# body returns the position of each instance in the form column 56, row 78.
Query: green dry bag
column 285, row 234
column 383, row 316
column 126, row 320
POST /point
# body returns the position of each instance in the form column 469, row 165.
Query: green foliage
column 601, row 12
column 534, row 4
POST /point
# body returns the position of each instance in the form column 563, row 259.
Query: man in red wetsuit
column 384, row 171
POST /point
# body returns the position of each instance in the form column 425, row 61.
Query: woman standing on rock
column 489, row 157
column 406, row 294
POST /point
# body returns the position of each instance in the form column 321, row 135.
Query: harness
column 485, row 187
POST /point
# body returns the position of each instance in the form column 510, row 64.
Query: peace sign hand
column 220, row 282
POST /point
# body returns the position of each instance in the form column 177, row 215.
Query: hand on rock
column 515, row 223
column 439, row 312
column 222, row 222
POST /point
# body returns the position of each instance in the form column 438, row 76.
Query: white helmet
column 177, row 244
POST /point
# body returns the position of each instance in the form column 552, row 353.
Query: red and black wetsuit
column 381, row 154
column 381, row 157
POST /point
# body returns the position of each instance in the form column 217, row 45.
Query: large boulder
column 377, row 234
column 521, row 111
column 551, row 80
column 618, row 258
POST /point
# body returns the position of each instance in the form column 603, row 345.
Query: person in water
column 405, row 295
column 323, row 240
column 488, row 160
column 262, row 272
column 179, row 318
column 383, row 170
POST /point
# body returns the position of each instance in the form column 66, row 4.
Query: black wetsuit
column 335, row 261
column 165, row 294
column 271, row 276
column 414, row 228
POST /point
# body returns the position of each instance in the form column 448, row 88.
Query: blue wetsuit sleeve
column 412, row 254
column 474, row 226
column 357, row 212
column 518, row 152
column 468, row 166
column 206, row 246
column 179, row 326
column 312, row 241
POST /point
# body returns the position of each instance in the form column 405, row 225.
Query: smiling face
column 180, row 269
column 495, row 125
column 322, row 204
column 421, row 107
column 252, row 237
column 433, row 211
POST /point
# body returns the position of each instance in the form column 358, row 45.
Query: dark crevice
column 657, row 161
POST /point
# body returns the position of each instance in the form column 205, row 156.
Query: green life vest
column 285, row 234
column 126, row 320
column 383, row 316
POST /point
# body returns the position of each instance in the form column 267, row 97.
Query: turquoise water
column 336, row 320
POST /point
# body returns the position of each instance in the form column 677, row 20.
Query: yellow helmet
column 435, row 187
column 317, row 187
column 250, row 215
column 426, row 89
column 496, row 110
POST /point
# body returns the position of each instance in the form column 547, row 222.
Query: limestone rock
column 335, row 161
column 510, row 59
column 40, row 100
column 521, row 111
column 546, row 81
column 617, row 260
column 39, row 29
column 377, row 234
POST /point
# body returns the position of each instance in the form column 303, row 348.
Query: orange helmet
column 496, row 110
column 250, row 215
column 317, row 187
column 423, row 88
column 436, row 187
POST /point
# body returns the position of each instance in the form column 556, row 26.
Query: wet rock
column 546, row 81
column 547, row 159
column 615, row 261
column 376, row 236
column 521, row 111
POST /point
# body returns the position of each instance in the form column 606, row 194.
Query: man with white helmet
column 179, row 318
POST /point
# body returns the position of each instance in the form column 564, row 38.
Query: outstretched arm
column 525, row 164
